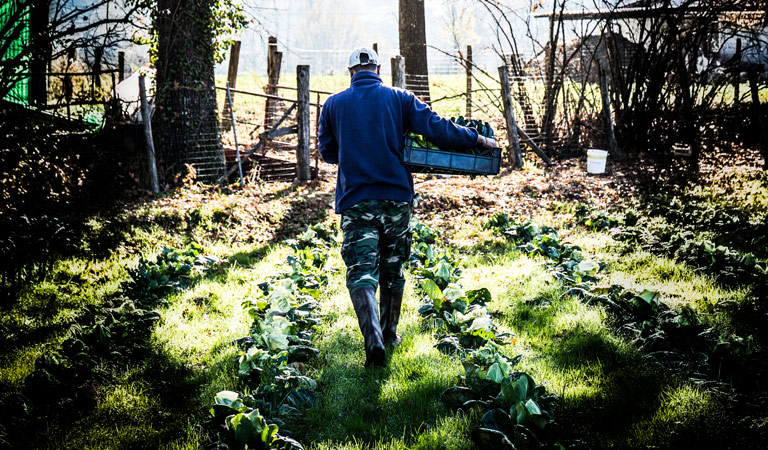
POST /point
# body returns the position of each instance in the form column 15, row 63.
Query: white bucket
column 596, row 160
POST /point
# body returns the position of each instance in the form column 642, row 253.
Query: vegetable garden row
column 515, row 411
column 274, row 391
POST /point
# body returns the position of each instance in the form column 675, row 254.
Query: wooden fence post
column 398, row 72
column 98, row 55
column 234, row 60
column 147, row 119
column 757, row 118
column 274, row 61
column 509, row 116
column 120, row 66
column 468, row 66
column 302, row 115
column 737, row 77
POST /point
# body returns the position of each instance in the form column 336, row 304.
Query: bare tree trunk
column 689, row 122
column 613, row 148
column 509, row 116
column 413, row 47
column 468, row 67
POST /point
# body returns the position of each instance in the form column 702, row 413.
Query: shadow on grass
column 487, row 251
column 390, row 407
column 612, row 395
column 148, row 403
column 96, row 376
column 118, row 392
column 303, row 210
column 250, row 257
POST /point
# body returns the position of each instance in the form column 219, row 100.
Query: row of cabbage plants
column 271, row 365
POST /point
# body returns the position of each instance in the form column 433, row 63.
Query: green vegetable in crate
column 484, row 128
column 421, row 141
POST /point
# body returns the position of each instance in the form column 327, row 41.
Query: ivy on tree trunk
column 186, row 126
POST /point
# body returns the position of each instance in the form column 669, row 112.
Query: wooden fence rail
column 269, row 96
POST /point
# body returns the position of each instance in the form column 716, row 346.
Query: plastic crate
column 419, row 159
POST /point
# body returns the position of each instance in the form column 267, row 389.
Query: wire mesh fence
column 265, row 126
column 189, row 134
column 574, row 103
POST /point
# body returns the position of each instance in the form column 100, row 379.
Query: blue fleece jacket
column 362, row 130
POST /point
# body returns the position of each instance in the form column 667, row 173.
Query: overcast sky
column 324, row 31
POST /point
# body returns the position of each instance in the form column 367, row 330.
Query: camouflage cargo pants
column 377, row 241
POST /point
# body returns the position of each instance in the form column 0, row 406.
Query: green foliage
column 651, row 325
column 724, row 242
column 112, row 335
column 28, row 249
column 499, row 221
column 226, row 19
column 270, row 364
column 597, row 220
column 464, row 323
column 728, row 265
column 514, row 405
column 483, row 128
column 247, row 426
column 424, row 233
column 172, row 270
column 428, row 261
column 460, row 314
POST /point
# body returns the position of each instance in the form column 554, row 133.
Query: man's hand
column 484, row 142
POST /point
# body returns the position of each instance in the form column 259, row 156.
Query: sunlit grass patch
column 682, row 410
column 500, row 275
column 199, row 320
column 126, row 402
column 44, row 310
column 678, row 283
column 465, row 232
column 380, row 408
column 592, row 243
column 89, row 435
column 15, row 367
column 125, row 416
column 210, row 314
column 410, row 392
column 741, row 188
column 451, row 432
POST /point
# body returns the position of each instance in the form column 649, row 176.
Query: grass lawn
column 94, row 359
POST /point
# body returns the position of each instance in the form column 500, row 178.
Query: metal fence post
column 234, row 133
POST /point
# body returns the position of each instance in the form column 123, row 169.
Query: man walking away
column 362, row 130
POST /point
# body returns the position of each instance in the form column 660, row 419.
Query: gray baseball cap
column 363, row 56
